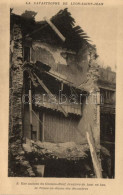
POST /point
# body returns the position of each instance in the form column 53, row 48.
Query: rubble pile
column 19, row 166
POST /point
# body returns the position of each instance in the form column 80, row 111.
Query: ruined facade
column 54, row 88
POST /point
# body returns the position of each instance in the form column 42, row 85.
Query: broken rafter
column 63, row 25
column 55, row 29
column 95, row 160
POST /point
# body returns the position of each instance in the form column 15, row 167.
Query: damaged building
column 58, row 101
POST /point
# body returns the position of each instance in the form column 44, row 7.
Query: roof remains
column 63, row 24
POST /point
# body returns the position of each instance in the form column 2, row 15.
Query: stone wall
column 18, row 165
column 16, row 80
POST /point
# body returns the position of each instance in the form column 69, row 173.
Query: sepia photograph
column 62, row 91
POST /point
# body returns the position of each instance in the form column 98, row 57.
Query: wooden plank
column 55, row 29
column 94, row 157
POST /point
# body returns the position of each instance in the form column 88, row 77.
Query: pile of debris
column 18, row 164
column 68, row 150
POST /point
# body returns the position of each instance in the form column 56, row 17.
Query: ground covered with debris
column 66, row 159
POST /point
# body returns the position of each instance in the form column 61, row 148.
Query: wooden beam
column 95, row 161
column 37, row 117
column 55, row 29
